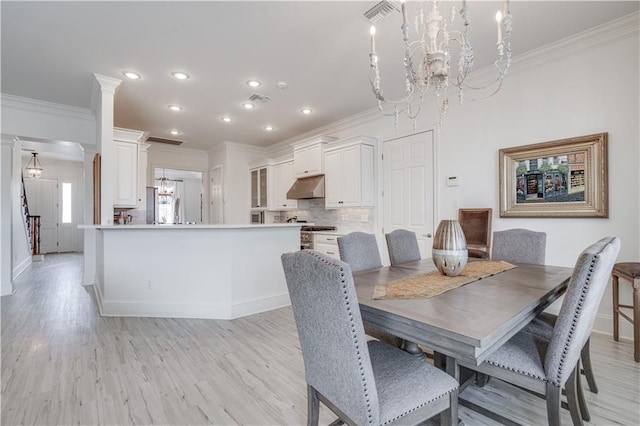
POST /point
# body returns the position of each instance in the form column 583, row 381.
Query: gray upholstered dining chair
column 360, row 251
column 546, row 366
column 403, row 246
column 519, row 246
column 524, row 246
column 361, row 382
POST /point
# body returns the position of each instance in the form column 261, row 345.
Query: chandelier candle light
column 427, row 60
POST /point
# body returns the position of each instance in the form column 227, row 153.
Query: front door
column 408, row 175
column 51, row 199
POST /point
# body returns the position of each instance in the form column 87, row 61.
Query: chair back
column 360, row 251
column 403, row 246
column 519, row 246
column 476, row 225
column 332, row 339
column 579, row 307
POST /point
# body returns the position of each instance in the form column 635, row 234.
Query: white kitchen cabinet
column 126, row 182
column 283, row 178
column 308, row 159
column 261, row 187
column 127, row 146
column 349, row 173
column 326, row 243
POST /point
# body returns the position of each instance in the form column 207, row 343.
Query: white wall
column 19, row 236
column 6, row 282
column 235, row 159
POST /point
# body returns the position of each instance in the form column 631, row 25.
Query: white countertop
column 201, row 226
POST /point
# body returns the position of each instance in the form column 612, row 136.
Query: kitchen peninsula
column 191, row 271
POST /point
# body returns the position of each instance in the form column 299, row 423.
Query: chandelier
column 34, row 168
column 427, row 61
column 165, row 192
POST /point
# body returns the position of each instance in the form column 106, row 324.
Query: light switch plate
column 452, row 181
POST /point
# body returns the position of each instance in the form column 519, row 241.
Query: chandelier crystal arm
column 427, row 59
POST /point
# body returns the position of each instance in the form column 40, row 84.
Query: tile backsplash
column 346, row 219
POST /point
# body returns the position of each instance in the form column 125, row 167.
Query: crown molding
column 155, row 146
column 236, row 146
column 607, row 33
column 44, row 107
column 8, row 140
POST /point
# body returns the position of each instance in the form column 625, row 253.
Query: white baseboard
column 261, row 305
column 124, row 308
column 22, row 267
column 603, row 324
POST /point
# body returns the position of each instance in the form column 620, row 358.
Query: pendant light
column 34, row 168
column 165, row 192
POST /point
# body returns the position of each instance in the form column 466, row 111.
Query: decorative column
column 89, row 277
column 104, row 90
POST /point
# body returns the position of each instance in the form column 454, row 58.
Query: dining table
column 467, row 323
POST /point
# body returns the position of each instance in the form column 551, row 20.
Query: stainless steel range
column 306, row 234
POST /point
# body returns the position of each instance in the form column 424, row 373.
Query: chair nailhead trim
column 416, row 408
column 353, row 332
column 583, row 294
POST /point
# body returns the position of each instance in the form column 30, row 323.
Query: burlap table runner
column 431, row 284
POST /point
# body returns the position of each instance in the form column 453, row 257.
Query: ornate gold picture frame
column 563, row 178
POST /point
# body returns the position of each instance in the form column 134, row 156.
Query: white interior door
column 217, row 195
column 408, row 197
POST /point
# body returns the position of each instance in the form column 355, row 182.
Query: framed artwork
column 563, row 178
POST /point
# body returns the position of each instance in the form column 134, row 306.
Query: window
column 66, row 202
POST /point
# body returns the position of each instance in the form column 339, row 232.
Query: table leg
column 636, row 321
column 450, row 417
column 614, row 285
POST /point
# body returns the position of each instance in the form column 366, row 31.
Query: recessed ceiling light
column 269, row 128
column 226, row 119
column 254, row 83
column 132, row 75
column 175, row 107
column 174, row 132
column 180, row 75
column 248, row 105
column 306, row 111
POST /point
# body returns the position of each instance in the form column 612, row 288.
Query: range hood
column 305, row 188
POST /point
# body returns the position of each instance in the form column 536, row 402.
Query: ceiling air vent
column 380, row 11
column 259, row 98
column 161, row 140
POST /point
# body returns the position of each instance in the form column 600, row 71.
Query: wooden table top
column 469, row 322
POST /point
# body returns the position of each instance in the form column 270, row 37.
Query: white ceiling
column 50, row 51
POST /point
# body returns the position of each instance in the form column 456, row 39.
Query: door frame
column 436, row 192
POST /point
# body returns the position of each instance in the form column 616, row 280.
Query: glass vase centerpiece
column 450, row 248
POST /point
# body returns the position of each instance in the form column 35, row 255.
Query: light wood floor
column 64, row 364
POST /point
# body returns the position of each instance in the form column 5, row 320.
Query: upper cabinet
column 283, row 178
column 349, row 173
column 127, row 146
column 308, row 159
column 261, row 186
